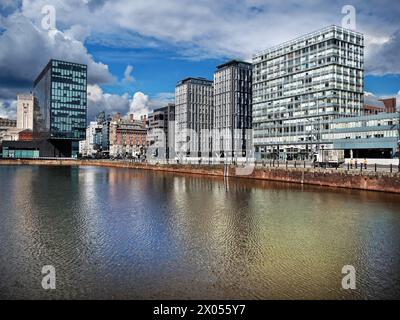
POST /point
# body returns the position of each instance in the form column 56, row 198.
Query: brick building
column 390, row 105
column 128, row 137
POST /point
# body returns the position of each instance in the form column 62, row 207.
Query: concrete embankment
column 373, row 181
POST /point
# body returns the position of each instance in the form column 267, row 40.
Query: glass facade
column 371, row 136
column 301, row 86
column 20, row 154
column 232, row 111
column 383, row 125
column 61, row 90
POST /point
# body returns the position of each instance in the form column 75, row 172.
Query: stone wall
column 385, row 182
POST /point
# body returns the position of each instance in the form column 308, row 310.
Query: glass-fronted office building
column 61, row 90
column 301, row 86
column 371, row 136
column 232, row 111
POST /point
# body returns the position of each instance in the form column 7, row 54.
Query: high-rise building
column 27, row 110
column 161, row 131
column 232, row 111
column 301, row 86
column 193, row 117
column 61, row 91
column 105, row 136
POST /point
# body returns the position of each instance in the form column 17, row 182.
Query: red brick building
column 128, row 137
column 390, row 105
column 25, row 135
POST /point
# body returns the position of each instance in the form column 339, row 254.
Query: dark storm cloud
column 386, row 58
column 26, row 48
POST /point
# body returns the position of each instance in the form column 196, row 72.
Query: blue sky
column 136, row 51
column 382, row 85
column 154, row 70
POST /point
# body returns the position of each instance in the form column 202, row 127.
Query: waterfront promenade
column 374, row 178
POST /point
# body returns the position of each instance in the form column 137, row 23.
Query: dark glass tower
column 61, row 90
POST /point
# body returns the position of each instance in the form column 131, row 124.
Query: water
column 128, row 234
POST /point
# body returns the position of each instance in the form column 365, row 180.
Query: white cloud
column 142, row 104
column 78, row 32
column 196, row 29
column 26, row 48
column 128, row 74
column 139, row 104
column 372, row 100
column 110, row 103
column 398, row 100
column 210, row 28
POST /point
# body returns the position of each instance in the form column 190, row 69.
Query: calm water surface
column 127, row 234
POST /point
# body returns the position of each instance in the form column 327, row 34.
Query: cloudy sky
column 137, row 50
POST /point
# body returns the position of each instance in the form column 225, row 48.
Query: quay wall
column 366, row 180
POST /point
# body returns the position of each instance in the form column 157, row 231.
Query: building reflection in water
column 120, row 233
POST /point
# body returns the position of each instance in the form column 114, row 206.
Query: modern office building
column 61, row 91
column 301, row 86
column 105, row 136
column 193, row 118
column 161, row 132
column 27, row 111
column 232, row 110
column 372, row 136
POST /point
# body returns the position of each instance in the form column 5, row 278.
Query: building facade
column 369, row 110
column 373, row 136
column 193, row 118
column 27, row 111
column 232, row 110
column 390, row 104
column 8, row 130
column 7, row 123
column 128, row 137
column 105, row 136
column 61, row 91
column 161, row 132
column 301, row 86
column 91, row 146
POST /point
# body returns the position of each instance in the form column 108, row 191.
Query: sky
column 136, row 51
